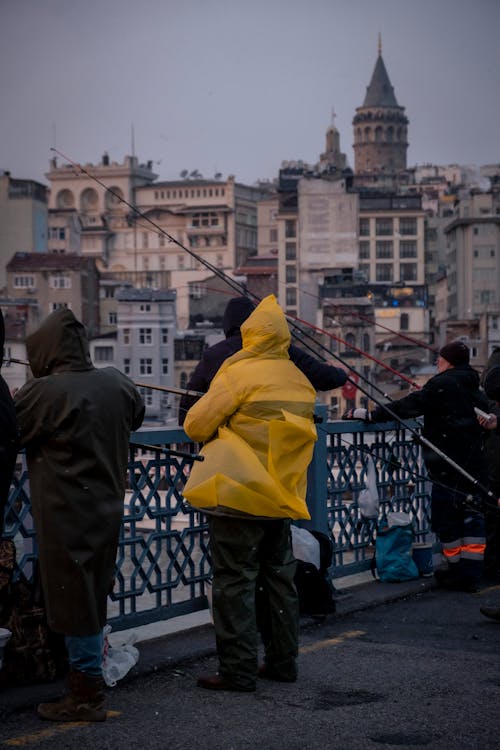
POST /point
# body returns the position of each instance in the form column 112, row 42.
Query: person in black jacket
column 447, row 404
column 9, row 435
column 322, row 376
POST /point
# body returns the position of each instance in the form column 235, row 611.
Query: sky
column 239, row 86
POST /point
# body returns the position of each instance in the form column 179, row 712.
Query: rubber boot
column 84, row 701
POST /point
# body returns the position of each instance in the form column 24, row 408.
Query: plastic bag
column 368, row 500
column 393, row 545
column 305, row 546
column 118, row 660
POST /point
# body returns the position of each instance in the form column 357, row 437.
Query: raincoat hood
column 266, row 330
column 59, row 345
column 257, row 417
column 237, row 311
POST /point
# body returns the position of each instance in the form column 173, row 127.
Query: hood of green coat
column 266, row 330
column 60, row 344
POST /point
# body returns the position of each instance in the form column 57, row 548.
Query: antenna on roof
column 379, row 44
column 132, row 138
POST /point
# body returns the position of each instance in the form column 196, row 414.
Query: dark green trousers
column 253, row 590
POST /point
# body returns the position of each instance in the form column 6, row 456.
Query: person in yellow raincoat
column 257, row 423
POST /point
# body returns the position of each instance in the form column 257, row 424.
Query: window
column 404, row 321
column 273, row 235
column 291, row 274
column 103, row 354
column 164, row 335
column 147, row 396
column 408, row 272
column 290, row 228
column 384, row 249
column 146, row 307
column 408, row 249
column 207, row 219
column 384, row 227
column 126, row 366
column 112, row 318
column 364, row 227
column 126, row 336
column 145, row 336
column 145, row 240
column 364, row 268
column 24, row 282
column 383, row 272
column 364, row 250
column 290, row 251
column 161, row 240
column 291, row 296
column 408, row 226
column 183, row 380
column 180, row 262
column 59, row 306
column 145, row 262
column 109, row 292
column 162, row 262
column 60, row 282
column 146, row 366
column 164, row 366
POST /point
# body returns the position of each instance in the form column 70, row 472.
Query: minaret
column 333, row 156
column 380, row 127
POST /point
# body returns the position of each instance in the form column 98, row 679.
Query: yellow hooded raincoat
column 257, row 417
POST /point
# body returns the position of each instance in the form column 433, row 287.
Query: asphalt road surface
column 420, row 672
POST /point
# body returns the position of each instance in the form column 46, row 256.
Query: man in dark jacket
column 492, row 515
column 8, row 435
column 75, row 422
column 322, row 376
column 447, row 404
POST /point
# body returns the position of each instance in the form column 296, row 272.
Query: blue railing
column 163, row 564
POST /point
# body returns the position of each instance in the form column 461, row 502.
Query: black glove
column 360, row 413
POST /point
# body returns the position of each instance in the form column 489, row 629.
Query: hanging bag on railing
column 393, row 545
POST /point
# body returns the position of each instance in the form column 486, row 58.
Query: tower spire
column 379, row 44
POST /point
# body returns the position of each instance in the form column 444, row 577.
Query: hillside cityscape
column 382, row 262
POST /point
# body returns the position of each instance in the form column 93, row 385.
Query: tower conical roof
column 380, row 92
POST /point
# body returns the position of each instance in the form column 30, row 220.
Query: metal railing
column 163, row 563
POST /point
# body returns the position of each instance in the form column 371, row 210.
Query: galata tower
column 380, row 127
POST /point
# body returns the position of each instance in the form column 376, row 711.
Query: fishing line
column 236, row 286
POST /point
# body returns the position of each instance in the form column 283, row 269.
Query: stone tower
column 380, row 127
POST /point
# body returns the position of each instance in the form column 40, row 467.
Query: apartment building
column 23, row 219
column 44, row 282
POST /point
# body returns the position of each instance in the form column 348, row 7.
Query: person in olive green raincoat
column 257, row 417
column 75, row 422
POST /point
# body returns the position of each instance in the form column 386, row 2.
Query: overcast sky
column 238, row 86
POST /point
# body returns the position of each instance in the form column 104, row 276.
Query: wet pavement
column 399, row 665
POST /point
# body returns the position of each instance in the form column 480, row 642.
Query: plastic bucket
column 422, row 557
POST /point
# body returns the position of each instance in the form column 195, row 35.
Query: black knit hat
column 237, row 311
column 456, row 353
column 492, row 383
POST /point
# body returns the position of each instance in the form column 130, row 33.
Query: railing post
column 317, row 478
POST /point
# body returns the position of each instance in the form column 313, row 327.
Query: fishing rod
column 166, row 388
column 241, row 290
column 235, row 285
column 419, row 438
column 396, row 333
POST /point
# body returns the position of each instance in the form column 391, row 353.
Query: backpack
column 34, row 653
column 314, row 585
column 393, row 559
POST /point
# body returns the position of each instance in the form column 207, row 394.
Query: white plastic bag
column 118, row 660
column 368, row 500
column 305, row 546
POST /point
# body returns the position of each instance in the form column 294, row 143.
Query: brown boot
column 84, row 702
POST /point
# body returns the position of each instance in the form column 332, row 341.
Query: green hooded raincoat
column 75, row 422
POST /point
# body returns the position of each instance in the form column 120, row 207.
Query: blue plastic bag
column 393, row 559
